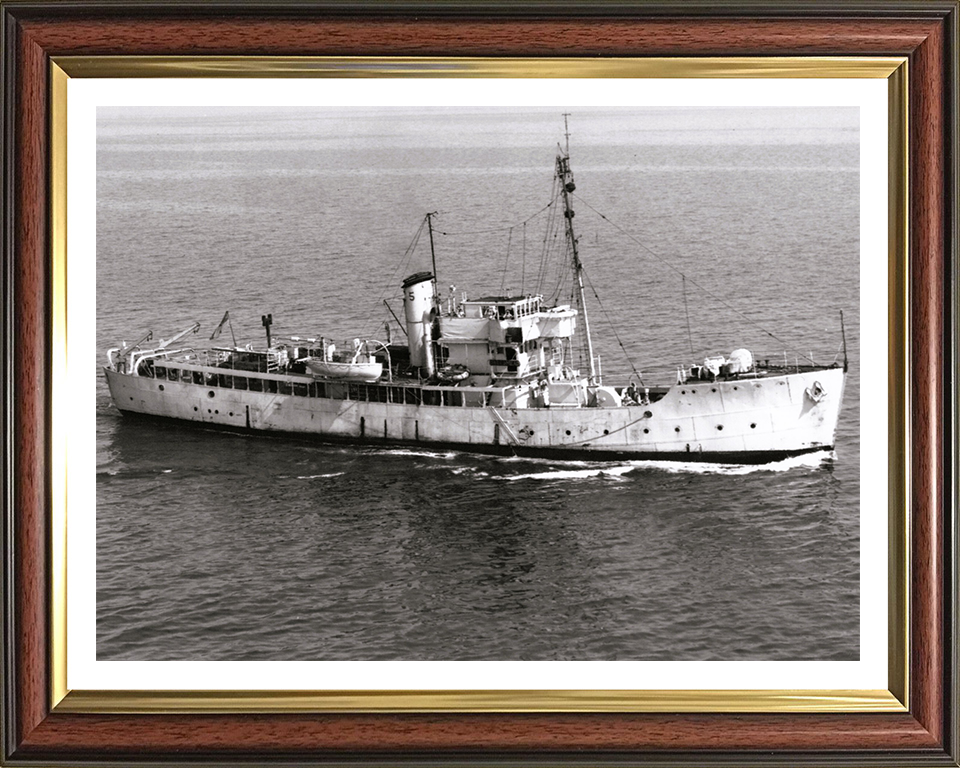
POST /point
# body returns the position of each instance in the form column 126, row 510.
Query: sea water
column 723, row 229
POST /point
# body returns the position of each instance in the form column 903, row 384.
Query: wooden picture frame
column 37, row 730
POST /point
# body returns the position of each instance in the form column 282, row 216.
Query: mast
column 433, row 253
column 433, row 257
column 565, row 176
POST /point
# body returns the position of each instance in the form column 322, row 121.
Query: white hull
column 734, row 420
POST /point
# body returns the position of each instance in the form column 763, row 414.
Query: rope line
column 686, row 310
column 398, row 270
column 716, row 298
column 612, row 326
column 495, row 229
column 506, row 261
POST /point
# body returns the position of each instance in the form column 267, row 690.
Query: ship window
column 173, row 374
column 198, row 377
column 412, row 396
column 256, row 385
column 239, row 382
column 353, row 391
column 453, row 398
column 396, row 395
column 321, row 389
column 271, row 386
column 161, row 387
column 285, row 388
column 211, row 393
column 159, row 372
column 300, row 390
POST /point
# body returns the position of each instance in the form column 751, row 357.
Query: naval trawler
column 491, row 374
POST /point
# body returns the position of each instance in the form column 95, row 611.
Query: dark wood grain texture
column 924, row 33
column 927, row 310
column 30, row 356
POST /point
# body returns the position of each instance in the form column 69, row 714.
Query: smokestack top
column 419, row 277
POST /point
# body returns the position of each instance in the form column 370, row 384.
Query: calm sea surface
column 214, row 546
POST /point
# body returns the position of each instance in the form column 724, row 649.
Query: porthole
column 714, row 389
column 195, row 408
column 646, row 431
column 231, row 413
column 648, row 414
column 683, row 391
column 211, row 393
column 568, row 432
column 606, row 431
column 216, row 411
column 693, row 391
column 676, row 429
column 753, row 426
column 161, row 387
column 736, row 388
column 720, row 427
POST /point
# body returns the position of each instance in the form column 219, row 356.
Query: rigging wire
column 550, row 233
column 506, row 261
column 686, row 311
column 497, row 229
column 523, row 260
column 713, row 296
column 612, row 326
column 401, row 266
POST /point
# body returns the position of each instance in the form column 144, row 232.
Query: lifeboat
column 362, row 366
column 452, row 374
column 353, row 371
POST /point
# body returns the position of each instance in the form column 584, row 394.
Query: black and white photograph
column 478, row 383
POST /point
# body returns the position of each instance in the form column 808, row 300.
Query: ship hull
column 736, row 421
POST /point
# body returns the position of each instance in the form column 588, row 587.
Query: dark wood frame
column 926, row 32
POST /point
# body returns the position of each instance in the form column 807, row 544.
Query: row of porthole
column 719, row 427
column 712, row 389
column 209, row 411
column 646, row 430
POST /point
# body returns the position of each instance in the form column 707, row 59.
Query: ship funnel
column 419, row 301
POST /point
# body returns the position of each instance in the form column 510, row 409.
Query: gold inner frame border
column 893, row 699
